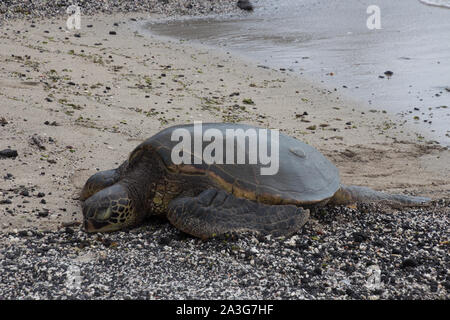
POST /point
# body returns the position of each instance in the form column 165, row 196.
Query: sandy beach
column 76, row 102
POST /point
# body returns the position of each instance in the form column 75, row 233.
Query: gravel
column 25, row 9
column 342, row 253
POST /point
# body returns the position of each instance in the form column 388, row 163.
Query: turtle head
column 99, row 181
column 110, row 209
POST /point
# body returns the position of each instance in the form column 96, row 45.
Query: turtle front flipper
column 216, row 212
column 355, row 194
column 99, row 181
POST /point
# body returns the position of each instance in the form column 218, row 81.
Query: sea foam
column 437, row 3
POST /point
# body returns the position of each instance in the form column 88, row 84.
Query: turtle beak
column 96, row 218
column 91, row 225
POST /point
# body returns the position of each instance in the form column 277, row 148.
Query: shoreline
column 339, row 58
column 72, row 105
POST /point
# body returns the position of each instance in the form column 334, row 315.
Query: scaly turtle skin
column 206, row 200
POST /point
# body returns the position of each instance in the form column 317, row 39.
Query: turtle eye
column 103, row 214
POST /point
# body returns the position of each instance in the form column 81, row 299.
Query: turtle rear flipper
column 215, row 212
column 356, row 194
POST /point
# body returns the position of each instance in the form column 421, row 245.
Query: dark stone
column 8, row 176
column 378, row 243
column 8, row 153
column 41, row 195
column 84, row 244
column 22, row 233
column 245, row 5
column 359, row 237
column 409, row 263
column 112, row 33
column 43, row 213
column 107, row 243
column 25, row 193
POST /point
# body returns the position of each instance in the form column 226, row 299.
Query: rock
column 8, row 176
column 112, row 33
column 38, row 141
column 359, row 237
column 409, row 263
column 8, row 153
column 43, row 213
column 25, row 193
column 245, row 5
column 348, row 153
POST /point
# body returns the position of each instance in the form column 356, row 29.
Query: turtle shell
column 304, row 175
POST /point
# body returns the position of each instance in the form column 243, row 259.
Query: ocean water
column 437, row 3
column 329, row 41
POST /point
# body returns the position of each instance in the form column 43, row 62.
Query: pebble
column 45, row 9
column 409, row 263
column 157, row 261
column 8, row 153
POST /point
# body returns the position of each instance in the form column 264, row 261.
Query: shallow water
column 319, row 38
column 437, row 3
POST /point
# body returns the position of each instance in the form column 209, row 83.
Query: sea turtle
column 204, row 199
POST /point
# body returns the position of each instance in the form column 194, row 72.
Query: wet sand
column 330, row 43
